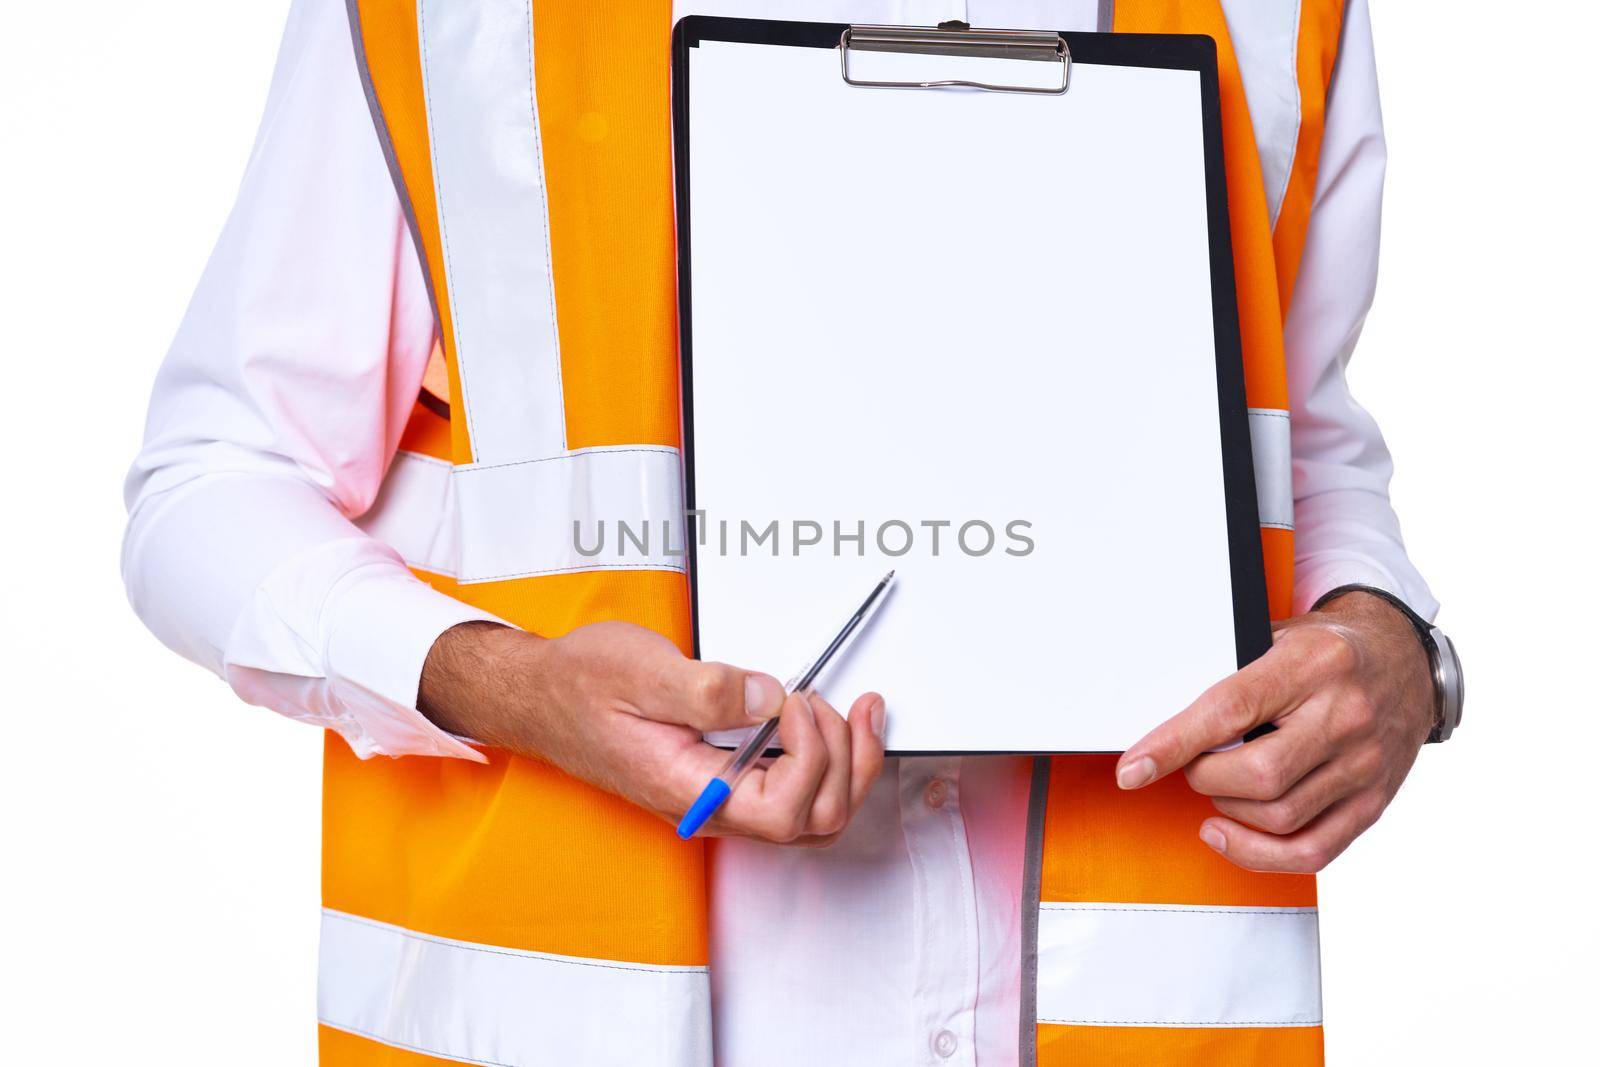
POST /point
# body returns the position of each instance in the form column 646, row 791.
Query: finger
column 774, row 802
column 1310, row 797
column 1260, row 692
column 868, row 720
column 1304, row 852
column 830, row 807
column 1265, row 768
column 715, row 696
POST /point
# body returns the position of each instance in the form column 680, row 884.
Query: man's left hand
column 1349, row 689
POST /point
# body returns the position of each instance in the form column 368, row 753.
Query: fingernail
column 806, row 704
column 879, row 718
column 763, row 696
column 1141, row 771
column 1214, row 837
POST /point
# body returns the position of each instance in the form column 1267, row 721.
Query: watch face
column 1448, row 679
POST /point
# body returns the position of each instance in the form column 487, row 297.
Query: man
column 509, row 891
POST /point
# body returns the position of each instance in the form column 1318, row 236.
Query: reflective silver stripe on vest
column 1266, row 42
column 1270, row 445
column 551, row 516
column 1175, row 965
column 490, row 1005
column 488, row 173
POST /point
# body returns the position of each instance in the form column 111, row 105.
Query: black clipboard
column 1197, row 53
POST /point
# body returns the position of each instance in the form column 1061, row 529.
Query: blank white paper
column 958, row 306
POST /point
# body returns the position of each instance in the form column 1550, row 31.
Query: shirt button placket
column 947, row 958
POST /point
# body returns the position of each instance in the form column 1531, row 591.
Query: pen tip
column 889, row 577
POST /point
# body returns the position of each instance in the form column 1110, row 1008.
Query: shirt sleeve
column 274, row 417
column 1345, row 529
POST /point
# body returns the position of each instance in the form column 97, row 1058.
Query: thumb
column 716, row 696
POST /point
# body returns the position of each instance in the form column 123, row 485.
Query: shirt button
column 934, row 796
column 944, row 1043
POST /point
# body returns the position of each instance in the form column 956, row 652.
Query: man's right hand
column 619, row 707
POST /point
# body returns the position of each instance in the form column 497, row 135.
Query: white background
column 160, row 885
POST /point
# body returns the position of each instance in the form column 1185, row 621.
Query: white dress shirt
column 281, row 403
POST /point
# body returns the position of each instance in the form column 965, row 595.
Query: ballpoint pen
column 722, row 786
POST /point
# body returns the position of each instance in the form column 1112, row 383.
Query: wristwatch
column 1449, row 689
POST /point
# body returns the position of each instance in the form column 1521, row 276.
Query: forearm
column 482, row 680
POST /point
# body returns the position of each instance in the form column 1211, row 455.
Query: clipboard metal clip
column 957, row 39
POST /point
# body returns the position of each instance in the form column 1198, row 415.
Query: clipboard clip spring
column 957, row 39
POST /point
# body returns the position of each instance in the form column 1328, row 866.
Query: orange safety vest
column 504, row 913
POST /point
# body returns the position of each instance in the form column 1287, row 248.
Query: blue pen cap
column 711, row 798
